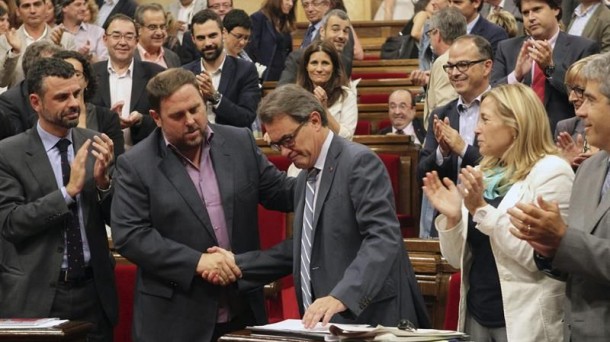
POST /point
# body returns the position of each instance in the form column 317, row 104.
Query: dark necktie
column 307, row 237
column 308, row 36
column 74, row 240
column 400, row 132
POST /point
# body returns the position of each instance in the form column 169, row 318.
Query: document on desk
column 355, row 332
column 30, row 323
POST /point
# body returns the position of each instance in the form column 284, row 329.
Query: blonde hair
column 520, row 108
column 574, row 72
column 93, row 9
column 505, row 20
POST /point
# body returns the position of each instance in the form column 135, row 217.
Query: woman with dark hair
column 321, row 72
column 271, row 39
column 93, row 117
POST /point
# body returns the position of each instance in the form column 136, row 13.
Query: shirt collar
column 49, row 140
column 477, row 100
column 129, row 69
column 324, row 151
column 470, row 25
column 145, row 53
column 44, row 33
column 219, row 70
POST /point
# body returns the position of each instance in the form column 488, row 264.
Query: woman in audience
column 321, row 72
column 423, row 12
column 271, row 39
column 358, row 50
column 505, row 20
column 503, row 294
column 91, row 11
column 570, row 133
column 94, row 117
column 395, row 10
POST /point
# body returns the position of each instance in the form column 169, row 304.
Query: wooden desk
column 247, row 335
column 68, row 332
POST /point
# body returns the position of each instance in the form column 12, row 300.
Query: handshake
column 218, row 267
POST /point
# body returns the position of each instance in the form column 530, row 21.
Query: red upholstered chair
column 392, row 164
column 373, row 98
column 125, row 278
column 453, row 302
column 383, row 124
column 363, row 127
column 378, row 75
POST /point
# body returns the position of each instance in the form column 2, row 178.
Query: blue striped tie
column 308, row 38
column 307, row 236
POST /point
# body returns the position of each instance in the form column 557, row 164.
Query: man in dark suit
column 122, row 80
column 477, row 24
column 109, row 8
column 15, row 102
column 577, row 250
column 402, row 117
column 346, row 254
column 541, row 59
column 337, row 29
column 190, row 186
column 152, row 32
column 55, row 203
column 228, row 84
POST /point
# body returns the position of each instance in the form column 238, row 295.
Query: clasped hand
column 218, row 267
column 103, row 151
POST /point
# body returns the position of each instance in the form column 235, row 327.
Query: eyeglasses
column 578, row 91
column 429, row 32
column 129, row 37
column 222, row 5
column 462, row 66
column 240, row 37
column 286, row 141
column 315, row 3
column 153, row 27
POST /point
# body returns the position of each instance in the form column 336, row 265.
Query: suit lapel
column 221, row 159
column 560, row 51
column 104, row 80
column 38, row 162
column 171, row 166
column 228, row 73
column 328, row 175
column 595, row 185
column 138, row 86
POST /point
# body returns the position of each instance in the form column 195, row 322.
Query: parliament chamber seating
column 363, row 127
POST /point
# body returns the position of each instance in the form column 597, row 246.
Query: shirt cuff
column 439, row 157
column 511, row 79
column 67, row 198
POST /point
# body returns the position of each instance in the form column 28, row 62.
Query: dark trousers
column 80, row 302
column 237, row 323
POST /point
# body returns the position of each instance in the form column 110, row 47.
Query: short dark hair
column 47, row 67
column 141, row 9
column 204, row 15
column 87, row 71
column 293, row 101
column 122, row 17
column 35, row 50
column 553, row 4
column 237, row 18
column 165, row 83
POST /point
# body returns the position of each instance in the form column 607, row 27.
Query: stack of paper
column 30, row 323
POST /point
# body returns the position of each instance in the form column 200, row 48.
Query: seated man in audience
column 446, row 26
column 152, row 31
column 591, row 19
column 540, row 60
column 34, row 28
column 122, row 80
column 87, row 37
column 15, row 102
column 577, row 250
column 228, row 84
column 401, row 111
column 477, row 24
column 336, row 28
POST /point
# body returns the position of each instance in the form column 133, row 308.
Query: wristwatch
column 548, row 71
column 216, row 98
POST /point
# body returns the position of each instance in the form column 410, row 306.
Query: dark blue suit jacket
column 568, row 49
column 427, row 158
column 263, row 46
column 240, row 91
column 492, row 32
column 418, row 126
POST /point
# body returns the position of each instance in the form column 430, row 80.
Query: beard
column 62, row 119
column 211, row 55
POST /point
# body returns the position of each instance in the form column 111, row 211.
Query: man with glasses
column 189, row 186
column 220, row 7
column 541, row 59
column 152, row 29
column 346, row 255
column 87, row 37
column 228, row 84
column 450, row 141
column 122, row 80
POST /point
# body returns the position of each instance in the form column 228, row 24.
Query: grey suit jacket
column 574, row 126
column 170, row 57
column 16, row 75
column 568, row 49
column 598, row 27
column 357, row 255
column 160, row 223
column 584, row 255
column 32, row 217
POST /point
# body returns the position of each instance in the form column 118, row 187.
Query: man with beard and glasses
column 228, row 84
column 122, row 80
column 55, row 202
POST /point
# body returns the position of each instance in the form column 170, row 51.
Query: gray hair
column 597, row 70
column 450, row 23
column 143, row 8
column 37, row 50
column 335, row 13
column 291, row 100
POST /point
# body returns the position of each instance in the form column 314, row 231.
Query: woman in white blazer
column 503, row 295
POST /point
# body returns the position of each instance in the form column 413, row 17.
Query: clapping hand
column 471, row 188
column 445, row 197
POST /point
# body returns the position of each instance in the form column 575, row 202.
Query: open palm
column 444, row 196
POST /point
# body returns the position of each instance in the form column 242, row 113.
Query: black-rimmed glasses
column 287, row 141
column 429, row 32
column 580, row 92
column 462, row 66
